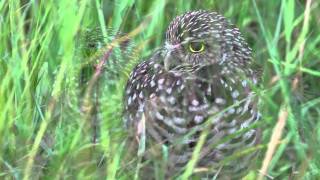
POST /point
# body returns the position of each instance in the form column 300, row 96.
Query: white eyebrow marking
column 169, row 46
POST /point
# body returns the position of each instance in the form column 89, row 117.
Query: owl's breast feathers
column 175, row 104
column 179, row 101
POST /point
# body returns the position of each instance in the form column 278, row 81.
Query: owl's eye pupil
column 196, row 47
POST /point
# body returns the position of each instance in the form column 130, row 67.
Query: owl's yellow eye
column 196, row 47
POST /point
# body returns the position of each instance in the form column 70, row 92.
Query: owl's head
column 201, row 38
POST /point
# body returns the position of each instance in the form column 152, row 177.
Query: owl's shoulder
column 153, row 62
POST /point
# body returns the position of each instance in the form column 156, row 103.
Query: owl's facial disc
column 189, row 52
column 201, row 38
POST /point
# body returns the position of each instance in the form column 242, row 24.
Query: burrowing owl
column 200, row 80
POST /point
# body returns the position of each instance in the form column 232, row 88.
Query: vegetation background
column 61, row 92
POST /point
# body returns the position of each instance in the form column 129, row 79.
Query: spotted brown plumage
column 200, row 79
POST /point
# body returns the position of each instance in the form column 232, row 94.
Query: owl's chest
column 178, row 97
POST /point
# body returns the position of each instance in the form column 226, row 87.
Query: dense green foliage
column 61, row 107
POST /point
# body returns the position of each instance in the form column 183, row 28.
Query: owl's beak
column 168, row 60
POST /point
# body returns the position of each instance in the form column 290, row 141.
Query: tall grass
column 61, row 95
